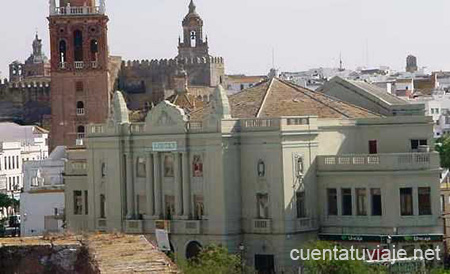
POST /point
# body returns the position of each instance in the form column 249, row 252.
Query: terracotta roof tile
column 275, row 98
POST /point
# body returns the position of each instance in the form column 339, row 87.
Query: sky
column 302, row 34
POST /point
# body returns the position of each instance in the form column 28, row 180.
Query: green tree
column 212, row 259
column 5, row 201
column 332, row 266
column 443, row 147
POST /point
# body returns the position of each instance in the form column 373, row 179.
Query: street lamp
column 241, row 251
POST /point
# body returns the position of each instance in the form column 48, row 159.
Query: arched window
column 94, row 53
column 78, row 45
column 193, row 39
column 62, row 53
column 193, row 249
column 80, row 108
column 80, row 132
column 261, row 168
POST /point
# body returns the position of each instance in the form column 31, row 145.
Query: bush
column 212, row 259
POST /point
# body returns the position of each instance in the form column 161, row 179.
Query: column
column 149, row 185
column 130, row 187
column 157, row 184
column 186, row 185
column 178, row 186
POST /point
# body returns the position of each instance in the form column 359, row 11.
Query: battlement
column 171, row 62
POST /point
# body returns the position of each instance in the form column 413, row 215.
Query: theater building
column 261, row 172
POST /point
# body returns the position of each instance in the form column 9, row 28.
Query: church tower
column 80, row 88
column 193, row 44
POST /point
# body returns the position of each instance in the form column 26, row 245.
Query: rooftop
column 276, row 98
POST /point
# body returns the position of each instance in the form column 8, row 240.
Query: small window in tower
column 94, row 53
column 80, row 108
column 80, row 132
column 78, row 45
column 193, row 39
column 79, row 87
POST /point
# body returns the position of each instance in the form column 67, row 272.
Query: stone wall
column 146, row 81
column 25, row 102
column 36, row 259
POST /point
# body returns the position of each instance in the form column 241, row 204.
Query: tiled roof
column 378, row 92
column 275, row 98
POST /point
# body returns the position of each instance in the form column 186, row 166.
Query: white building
column 42, row 202
column 18, row 144
column 269, row 168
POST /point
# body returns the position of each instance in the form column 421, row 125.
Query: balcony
column 261, row 226
column 79, row 64
column 101, row 223
column 192, row 227
column 62, row 65
column 379, row 162
column 80, row 111
column 94, row 64
column 77, row 10
column 306, row 224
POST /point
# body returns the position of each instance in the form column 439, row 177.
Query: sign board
column 382, row 238
column 164, row 146
column 163, row 239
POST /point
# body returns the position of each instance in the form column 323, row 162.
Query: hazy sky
column 304, row 34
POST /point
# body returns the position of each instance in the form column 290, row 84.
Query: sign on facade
column 164, row 146
column 162, row 237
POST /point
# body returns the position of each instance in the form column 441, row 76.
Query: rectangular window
column 376, row 202
column 442, row 203
column 262, row 201
column 5, row 162
column 373, row 147
column 86, row 201
column 102, row 206
column 79, row 86
column 415, row 144
column 77, row 203
column 346, row 201
column 332, row 201
column 361, row 201
column 17, row 162
column 406, row 202
column 140, row 167
column 199, row 207
column 424, row 200
column 169, row 201
column 301, row 205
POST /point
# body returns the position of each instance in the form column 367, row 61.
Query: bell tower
column 193, row 45
column 80, row 88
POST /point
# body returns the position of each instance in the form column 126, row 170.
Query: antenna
column 273, row 58
column 341, row 63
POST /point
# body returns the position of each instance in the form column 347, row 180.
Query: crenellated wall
column 25, row 102
column 148, row 80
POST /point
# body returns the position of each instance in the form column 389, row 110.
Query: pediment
column 166, row 117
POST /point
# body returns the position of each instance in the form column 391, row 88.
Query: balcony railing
column 77, row 10
column 134, row 226
column 262, row 226
column 306, row 224
column 94, row 64
column 80, row 111
column 79, row 64
column 392, row 162
column 62, row 65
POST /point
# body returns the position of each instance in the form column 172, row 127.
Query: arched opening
column 80, row 132
column 193, row 250
column 193, row 40
column 94, row 53
column 80, row 108
column 78, row 45
column 62, row 53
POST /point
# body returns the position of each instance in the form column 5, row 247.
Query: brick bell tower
column 80, row 88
